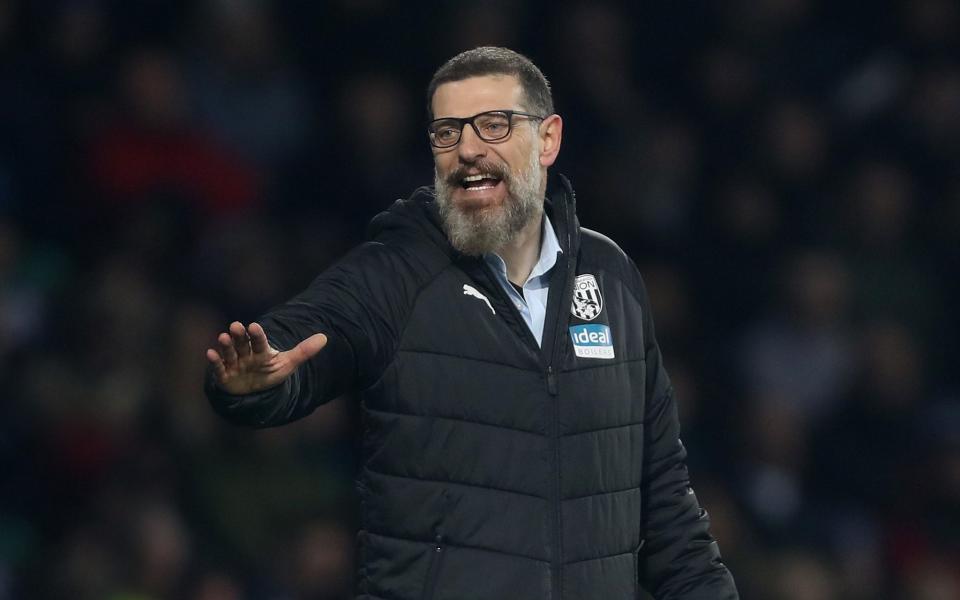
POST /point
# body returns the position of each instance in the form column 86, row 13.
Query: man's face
column 481, row 216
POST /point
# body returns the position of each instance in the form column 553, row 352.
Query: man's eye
column 495, row 127
column 445, row 134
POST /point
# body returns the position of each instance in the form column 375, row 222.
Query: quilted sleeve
column 360, row 304
column 679, row 558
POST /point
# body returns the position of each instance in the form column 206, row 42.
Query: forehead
column 473, row 95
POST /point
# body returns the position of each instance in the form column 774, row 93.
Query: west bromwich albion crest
column 587, row 301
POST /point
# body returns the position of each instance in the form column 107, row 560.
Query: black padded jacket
column 493, row 468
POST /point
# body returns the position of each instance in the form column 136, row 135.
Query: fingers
column 307, row 348
column 238, row 342
column 229, row 356
column 258, row 338
column 217, row 361
column 227, row 351
column 241, row 341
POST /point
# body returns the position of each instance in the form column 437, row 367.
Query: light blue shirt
column 533, row 303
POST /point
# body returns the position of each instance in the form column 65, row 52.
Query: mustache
column 482, row 166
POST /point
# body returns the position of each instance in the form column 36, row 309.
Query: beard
column 477, row 231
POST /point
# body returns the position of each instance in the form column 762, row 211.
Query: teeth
column 478, row 177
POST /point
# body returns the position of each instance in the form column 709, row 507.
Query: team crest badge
column 587, row 301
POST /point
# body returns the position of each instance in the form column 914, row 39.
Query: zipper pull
column 551, row 381
column 439, row 541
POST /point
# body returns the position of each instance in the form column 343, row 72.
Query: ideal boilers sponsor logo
column 592, row 341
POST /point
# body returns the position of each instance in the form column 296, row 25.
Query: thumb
column 306, row 349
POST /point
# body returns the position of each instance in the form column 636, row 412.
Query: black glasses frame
column 470, row 121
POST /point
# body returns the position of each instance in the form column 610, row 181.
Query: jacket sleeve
column 679, row 559
column 360, row 304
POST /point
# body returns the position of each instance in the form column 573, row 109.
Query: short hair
column 492, row 60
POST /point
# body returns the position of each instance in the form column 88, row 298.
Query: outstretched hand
column 244, row 362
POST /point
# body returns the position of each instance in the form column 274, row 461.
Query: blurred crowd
column 785, row 172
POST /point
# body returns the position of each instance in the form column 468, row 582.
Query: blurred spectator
column 161, row 550
column 149, row 151
column 23, row 289
column 473, row 25
column 933, row 581
column 378, row 160
column 323, row 562
column 217, row 586
column 891, row 280
column 767, row 19
column 246, row 89
column 772, row 466
column 742, row 224
column 866, row 453
column 236, row 264
column 795, row 141
column 805, row 577
column 933, row 112
column 801, row 355
column 934, row 23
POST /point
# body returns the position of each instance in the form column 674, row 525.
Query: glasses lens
column 493, row 125
column 445, row 132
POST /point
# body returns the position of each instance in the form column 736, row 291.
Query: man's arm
column 340, row 332
column 252, row 383
column 679, row 558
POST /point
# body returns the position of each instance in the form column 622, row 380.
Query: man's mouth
column 480, row 182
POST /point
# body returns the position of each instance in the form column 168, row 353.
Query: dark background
column 785, row 173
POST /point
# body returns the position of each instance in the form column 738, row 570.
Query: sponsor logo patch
column 592, row 341
column 587, row 301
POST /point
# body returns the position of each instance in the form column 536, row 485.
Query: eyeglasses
column 490, row 126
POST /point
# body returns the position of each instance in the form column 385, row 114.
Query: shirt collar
column 549, row 249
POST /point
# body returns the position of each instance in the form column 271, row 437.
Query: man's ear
column 551, row 133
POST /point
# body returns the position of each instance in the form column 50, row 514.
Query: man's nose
column 471, row 146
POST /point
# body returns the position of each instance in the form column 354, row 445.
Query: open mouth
column 479, row 182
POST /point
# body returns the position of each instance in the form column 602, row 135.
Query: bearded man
column 520, row 434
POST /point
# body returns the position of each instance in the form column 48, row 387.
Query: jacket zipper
column 636, row 565
column 433, row 574
column 557, row 569
column 553, row 389
column 551, row 381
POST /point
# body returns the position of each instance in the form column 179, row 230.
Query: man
column 520, row 434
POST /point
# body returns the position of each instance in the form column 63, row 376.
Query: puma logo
column 469, row 290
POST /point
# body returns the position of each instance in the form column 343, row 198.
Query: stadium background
column 785, row 172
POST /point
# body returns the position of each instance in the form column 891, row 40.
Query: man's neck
column 523, row 251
